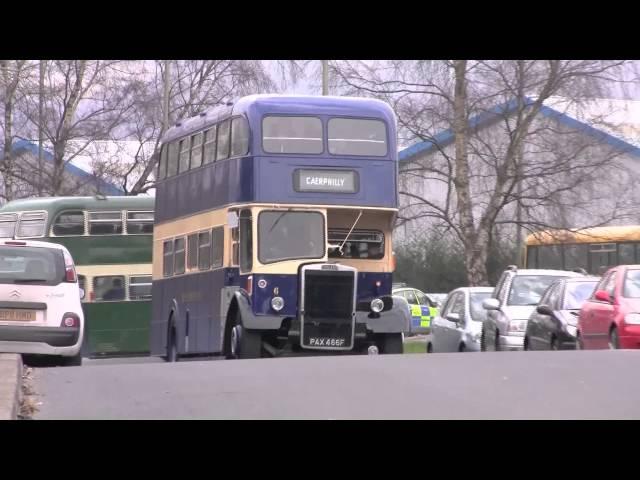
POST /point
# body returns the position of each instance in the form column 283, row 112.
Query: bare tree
column 518, row 173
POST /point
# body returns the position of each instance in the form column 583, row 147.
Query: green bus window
column 246, row 241
column 196, row 150
column 162, row 164
column 8, row 225
column 223, row 140
column 109, row 288
column 185, row 149
column 172, row 159
column 239, row 136
column 167, row 258
column 69, row 223
column 204, row 251
column 217, row 247
column 140, row 287
column 192, row 251
column 210, row 145
column 139, row 223
column 32, row 224
column 178, row 257
column 82, row 284
column 105, row 223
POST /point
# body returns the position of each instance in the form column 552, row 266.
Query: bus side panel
column 107, row 249
column 117, row 327
column 198, row 294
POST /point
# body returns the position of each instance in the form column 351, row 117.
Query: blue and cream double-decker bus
column 272, row 231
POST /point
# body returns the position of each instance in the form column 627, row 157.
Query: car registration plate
column 17, row 315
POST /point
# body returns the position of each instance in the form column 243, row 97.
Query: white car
column 40, row 309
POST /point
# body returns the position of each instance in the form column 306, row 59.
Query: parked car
column 421, row 308
column 553, row 324
column 40, row 310
column 514, row 298
column 610, row 318
column 459, row 326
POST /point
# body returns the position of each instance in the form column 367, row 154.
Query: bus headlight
column 377, row 305
column 277, row 303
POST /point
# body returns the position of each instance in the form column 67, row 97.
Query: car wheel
column 496, row 345
column 579, row 344
column 614, row 340
column 554, row 343
column 483, row 346
column 74, row 361
column 526, row 344
column 392, row 344
column 461, row 348
column 429, row 347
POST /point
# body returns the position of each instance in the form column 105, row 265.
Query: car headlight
column 632, row 318
column 572, row 330
column 377, row 305
column 277, row 303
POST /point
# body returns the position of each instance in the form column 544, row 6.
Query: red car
column 611, row 317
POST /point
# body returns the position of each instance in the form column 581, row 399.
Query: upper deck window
column 357, row 136
column 8, row 225
column 196, row 150
column 223, row 140
column 32, row 224
column 292, row 135
column 162, row 165
column 185, row 149
column 210, row 145
column 172, row 159
column 239, row 136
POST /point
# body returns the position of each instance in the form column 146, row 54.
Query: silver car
column 459, row 325
column 512, row 302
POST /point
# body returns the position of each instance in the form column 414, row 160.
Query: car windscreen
column 528, row 289
column 576, row 293
column 31, row 265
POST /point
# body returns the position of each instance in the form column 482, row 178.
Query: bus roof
column 255, row 106
column 51, row 204
column 626, row 233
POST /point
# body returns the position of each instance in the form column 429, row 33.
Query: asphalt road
column 490, row 385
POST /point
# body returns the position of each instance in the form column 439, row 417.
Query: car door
column 414, row 309
column 549, row 323
column 598, row 319
column 450, row 329
column 427, row 314
column 438, row 327
column 490, row 323
column 535, row 324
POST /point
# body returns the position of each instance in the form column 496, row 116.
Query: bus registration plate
column 17, row 315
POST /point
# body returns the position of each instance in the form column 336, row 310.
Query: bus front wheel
column 243, row 343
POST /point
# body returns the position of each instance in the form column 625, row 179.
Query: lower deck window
column 140, row 287
column 109, row 288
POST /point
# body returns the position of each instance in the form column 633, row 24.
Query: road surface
column 490, row 385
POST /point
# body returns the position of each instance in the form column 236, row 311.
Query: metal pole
column 325, row 77
column 165, row 97
column 42, row 65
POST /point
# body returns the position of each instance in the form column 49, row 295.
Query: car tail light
column 70, row 320
column 69, row 269
column 16, row 244
column 249, row 285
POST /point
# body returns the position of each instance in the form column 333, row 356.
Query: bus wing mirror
column 232, row 219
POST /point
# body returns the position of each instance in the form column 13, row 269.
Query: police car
column 422, row 308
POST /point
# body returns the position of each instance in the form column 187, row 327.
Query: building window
column 139, row 223
column 178, row 257
column 217, row 247
column 210, row 145
column 196, row 150
column 69, row 223
column 167, row 256
column 109, row 288
column 105, row 223
column 239, row 136
column 223, row 140
column 192, row 251
column 140, row 287
column 204, row 251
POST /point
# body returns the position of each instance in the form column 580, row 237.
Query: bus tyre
column 172, row 349
column 391, row 343
column 244, row 343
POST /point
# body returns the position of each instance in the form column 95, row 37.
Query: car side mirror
column 544, row 310
column 603, row 296
column 454, row 317
column 82, row 294
column 491, row 304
